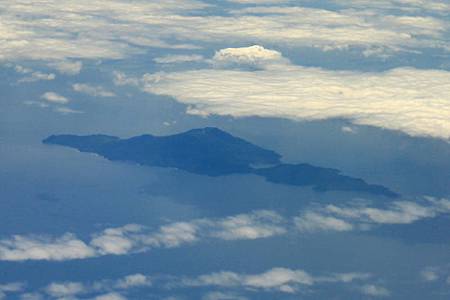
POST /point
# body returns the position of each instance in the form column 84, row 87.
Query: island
column 213, row 152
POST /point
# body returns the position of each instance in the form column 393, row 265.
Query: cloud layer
column 410, row 100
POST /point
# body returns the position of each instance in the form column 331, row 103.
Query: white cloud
column 32, row 75
column 134, row 280
column 260, row 224
column 65, row 289
column 276, row 279
column 135, row 238
column 375, row 291
column 413, row 101
column 66, row 110
column 8, row 288
column 95, row 91
column 110, row 296
column 67, row 67
column 54, row 98
column 222, row 296
column 362, row 217
column 310, row 222
column 116, row 241
column 67, row 247
column 254, row 56
column 118, row 29
column 172, row 59
column 281, row 279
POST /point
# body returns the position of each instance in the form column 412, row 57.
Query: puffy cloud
column 276, row 279
column 110, row 296
column 13, row 287
column 172, row 59
column 54, row 98
column 310, row 222
column 67, row 67
column 37, row 76
column 65, row 289
column 363, row 217
column 254, row 56
column 375, row 290
column 413, row 101
column 95, row 91
column 222, row 296
column 134, row 280
column 135, row 238
column 261, row 224
column 67, row 247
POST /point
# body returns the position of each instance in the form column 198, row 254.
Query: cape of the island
column 213, row 152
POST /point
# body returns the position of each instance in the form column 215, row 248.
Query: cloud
column 32, row 75
column 136, row 238
column 135, row 280
column 110, row 296
column 66, row 289
column 66, row 110
column 172, row 59
column 13, row 287
column 222, row 296
column 310, row 222
column 360, row 216
column 67, row 247
column 254, row 57
column 409, row 100
column 259, row 224
column 114, row 29
column 54, row 98
column 276, row 279
column 374, row 290
column 94, row 91
column 67, row 67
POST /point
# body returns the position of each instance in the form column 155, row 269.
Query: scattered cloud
column 94, row 91
column 260, row 224
column 67, row 67
column 172, row 59
column 361, row 216
column 276, row 279
column 54, row 98
column 375, row 290
column 223, row 296
column 32, row 76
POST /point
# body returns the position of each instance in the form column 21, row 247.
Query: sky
column 360, row 86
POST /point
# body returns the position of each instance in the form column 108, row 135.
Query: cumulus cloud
column 172, row 59
column 54, row 98
column 409, row 100
column 13, row 287
column 375, row 290
column 135, row 238
column 254, row 57
column 362, row 216
column 310, row 222
column 94, row 91
column 110, row 296
column 260, row 224
column 67, row 247
column 67, row 67
column 276, row 279
column 32, row 76
column 66, row 289
column 222, row 296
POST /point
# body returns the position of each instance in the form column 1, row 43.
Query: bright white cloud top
column 410, row 100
